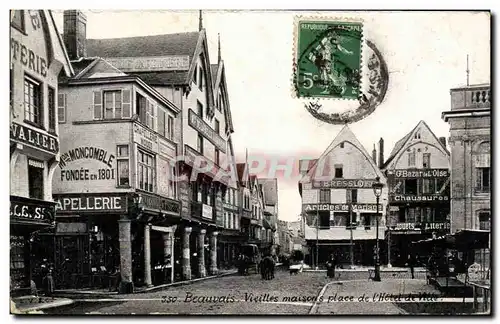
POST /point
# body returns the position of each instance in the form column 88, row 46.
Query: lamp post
column 377, row 190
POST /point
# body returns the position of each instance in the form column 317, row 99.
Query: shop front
column 28, row 217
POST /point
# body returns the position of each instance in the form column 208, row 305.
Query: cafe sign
column 26, row 135
column 342, row 207
column 344, row 184
column 91, row 203
column 207, row 131
column 31, row 210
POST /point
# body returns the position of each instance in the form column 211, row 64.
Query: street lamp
column 377, row 190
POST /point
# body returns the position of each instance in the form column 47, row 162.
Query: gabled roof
column 270, row 190
column 401, row 144
column 242, row 173
column 214, row 68
column 345, row 135
column 219, row 79
column 99, row 68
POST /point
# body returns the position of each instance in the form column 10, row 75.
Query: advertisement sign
column 26, row 135
column 343, row 207
column 91, row 203
column 344, row 183
column 148, row 64
column 418, row 198
column 161, row 204
column 412, row 174
column 103, row 171
column 425, row 227
column 206, row 212
column 31, row 210
column 207, row 131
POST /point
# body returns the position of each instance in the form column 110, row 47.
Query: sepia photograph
column 250, row 162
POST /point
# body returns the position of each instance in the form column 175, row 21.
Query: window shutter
column 61, row 108
column 126, row 103
column 97, row 105
column 479, row 176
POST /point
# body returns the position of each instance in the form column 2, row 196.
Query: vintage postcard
column 209, row 162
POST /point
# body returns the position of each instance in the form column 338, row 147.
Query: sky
column 425, row 53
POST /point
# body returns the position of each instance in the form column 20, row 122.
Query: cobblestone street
column 285, row 294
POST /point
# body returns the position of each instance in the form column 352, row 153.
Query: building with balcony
column 470, row 138
column 339, row 204
column 178, row 67
column 37, row 58
column 418, row 175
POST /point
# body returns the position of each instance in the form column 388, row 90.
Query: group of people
column 265, row 265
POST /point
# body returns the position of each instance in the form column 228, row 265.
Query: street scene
column 210, row 164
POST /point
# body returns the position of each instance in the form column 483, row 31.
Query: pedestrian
column 48, row 283
column 330, row 266
column 411, row 263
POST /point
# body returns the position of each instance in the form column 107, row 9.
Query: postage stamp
column 328, row 55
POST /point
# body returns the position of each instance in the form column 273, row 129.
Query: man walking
column 411, row 263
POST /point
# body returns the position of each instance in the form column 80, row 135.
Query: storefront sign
column 206, row 212
column 393, row 208
column 430, row 173
column 342, row 207
column 344, row 183
column 207, row 131
column 25, row 135
column 91, row 203
column 28, row 58
column 86, row 174
column 427, row 227
column 148, row 64
column 162, row 204
column 145, row 137
column 420, row 198
column 31, row 210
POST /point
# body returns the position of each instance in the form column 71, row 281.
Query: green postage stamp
column 328, row 58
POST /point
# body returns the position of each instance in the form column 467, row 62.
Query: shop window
column 340, row 219
column 426, row 161
column 411, row 159
column 483, row 178
column 122, row 165
column 339, row 172
column 324, row 196
column 146, row 171
column 324, row 219
column 33, row 100
column 61, row 108
column 200, row 143
column 161, row 122
column 52, row 109
column 484, row 221
column 217, row 126
column 199, row 107
column 35, row 178
column 17, row 256
column 17, row 20
column 170, row 127
column 411, row 187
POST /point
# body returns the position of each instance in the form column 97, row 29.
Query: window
column 217, row 157
column 52, row 109
column 338, row 172
column 411, row 158
column 429, row 186
column 217, row 127
column 324, row 196
column 161, row 122
column 199, row 107
column 411, row 187
column 170, row 127
column 33, row 101
column 200, row 143
column 483, row 177
column 342, row 145
column 219, row 102
column 146, row 171
column 354, row 196
column 484, row 221
column 17, row 19
column 61, row 108
column 122, row 165
column 142, row 107
column 427, row 161
column 195, row 76
column 35, row 178
column 112, row 104
column 200, row 78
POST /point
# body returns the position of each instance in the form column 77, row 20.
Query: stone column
column 126, row 284
column 201, row 253
column 213, row 253
column 147, row 256
column 186, row 265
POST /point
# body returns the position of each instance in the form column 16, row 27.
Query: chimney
column 443, row 141
column 374, row 154
column 380, row 153
column 75, row 34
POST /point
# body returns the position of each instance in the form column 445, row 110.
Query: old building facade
column 37, row 58
column 418, row 173
column 339, row 204
column 470, row 145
